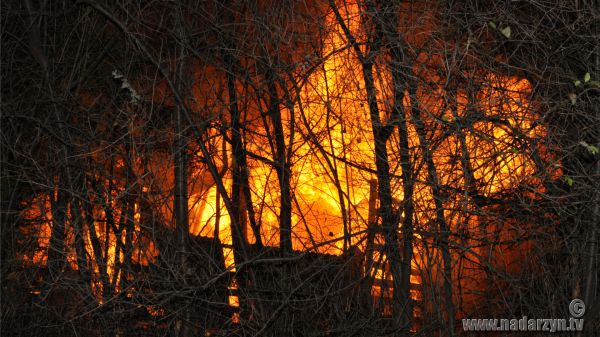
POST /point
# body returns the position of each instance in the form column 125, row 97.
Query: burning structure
column 294, row 168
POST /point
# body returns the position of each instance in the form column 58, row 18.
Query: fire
column 331, row 183
column 39, row 221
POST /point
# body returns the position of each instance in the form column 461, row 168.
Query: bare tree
column 348, row 168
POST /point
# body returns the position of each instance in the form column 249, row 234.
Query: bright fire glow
column 333, row 104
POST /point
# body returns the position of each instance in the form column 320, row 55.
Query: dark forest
column 298, row 167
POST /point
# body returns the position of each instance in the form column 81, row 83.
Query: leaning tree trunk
column 438, row 201
column 402, row 309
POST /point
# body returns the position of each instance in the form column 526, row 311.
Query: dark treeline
column 297, row 167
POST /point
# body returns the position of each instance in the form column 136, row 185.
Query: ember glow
column 333, row 173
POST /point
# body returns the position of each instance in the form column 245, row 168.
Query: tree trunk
column 180, row 159
column 56, row 248
column 282, row 169
column 399, row 115
column 439, row 206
